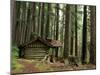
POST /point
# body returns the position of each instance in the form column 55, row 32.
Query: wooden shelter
column 37, row 48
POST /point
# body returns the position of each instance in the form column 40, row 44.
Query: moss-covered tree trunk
column 67, row 36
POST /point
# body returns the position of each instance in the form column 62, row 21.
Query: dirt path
column 28, row 66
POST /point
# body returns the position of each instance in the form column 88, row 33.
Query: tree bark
column 13, row 20
column 57, row 27
column 57, row 21
column 92, row 34
column 48, row 20
column 76, row 49
column 66, row 38
column 72, row 30
column 42, row 21
column 33, row 17
column 84, row 37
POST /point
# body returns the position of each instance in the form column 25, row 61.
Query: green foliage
column 16, row 67
column 14, row 52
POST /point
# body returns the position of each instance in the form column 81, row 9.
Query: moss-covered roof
column 48, row 42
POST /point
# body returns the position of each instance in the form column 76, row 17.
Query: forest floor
column 33, row 66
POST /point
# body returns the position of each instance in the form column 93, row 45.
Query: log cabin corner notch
column 37, row 48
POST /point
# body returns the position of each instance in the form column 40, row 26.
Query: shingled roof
column 55, row 43
column 48, row 42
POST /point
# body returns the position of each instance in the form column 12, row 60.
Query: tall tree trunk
column 57, row 21
column 57, row 27
column 19, row 33
column 71, row 44
column 39, row 19
column 76, row 49
column 42, row 21
column 18, row 7
column 33, row 17
column 72, row 8
column 13, row 20
column 48, row 20
column 32, row 22
column 66, row 38
column 27, row 36
column 23, row 23
column 92, row 34
column 84, row 39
